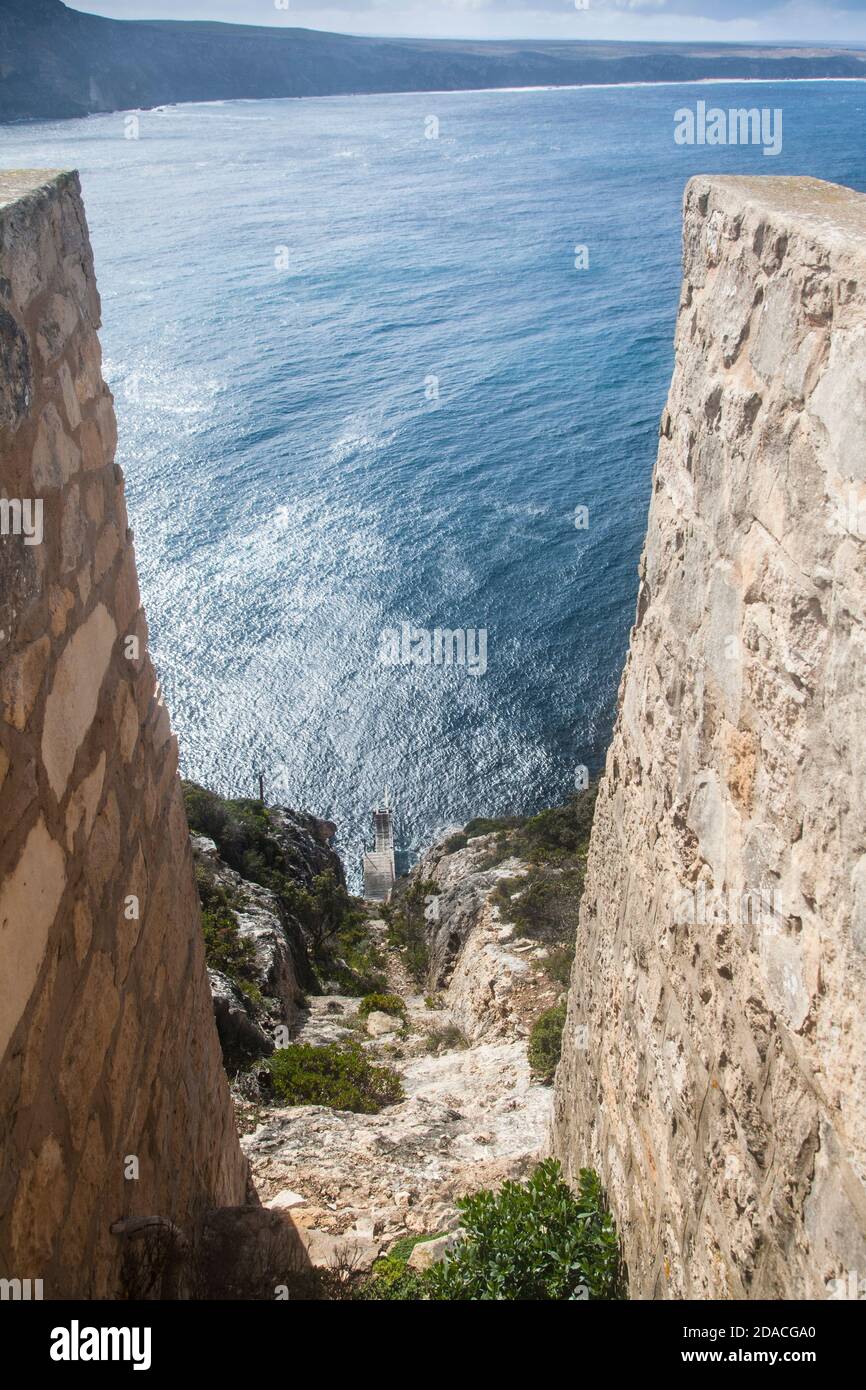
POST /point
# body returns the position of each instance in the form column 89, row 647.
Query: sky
column 824, row 21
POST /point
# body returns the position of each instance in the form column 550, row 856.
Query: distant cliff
column 57, row 62
column 714, row 1055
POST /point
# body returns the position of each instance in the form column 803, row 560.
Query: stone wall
column 107, row 1039
column 714, row 1058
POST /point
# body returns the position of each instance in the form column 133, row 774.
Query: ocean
column 399, row 360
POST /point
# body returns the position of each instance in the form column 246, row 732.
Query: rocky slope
column 258, row 954
column 473, row 1113
column 57, row 62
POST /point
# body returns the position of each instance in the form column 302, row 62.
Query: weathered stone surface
column 380, row 1025
column 107, row 1041
column 494, row 986
column 432, row 1252
column 714, row 1056
column 241, row 1036
column 29, row 898
column 71, row 705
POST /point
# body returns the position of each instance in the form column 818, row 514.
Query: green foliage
column 351, row 957
column 382, row 1003
column 342, row 1077
column 545, row 1042
column 225, row 949
column 402, row 1248
column 241, row 831
column 548, row 902
column 559, row 832
column 390, row 1279
column 407, row 927
column 557, row 965
column 533, row 1241
column 332, row 922
column 482, row 825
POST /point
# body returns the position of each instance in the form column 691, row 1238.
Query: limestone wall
column 714, row 1059
column 107, row 1039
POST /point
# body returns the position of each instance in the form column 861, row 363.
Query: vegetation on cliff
column 545, row 1042
column 225, row 948
column 530, row 1241
column 405, row 915
column 542, row 903
column 251, row 840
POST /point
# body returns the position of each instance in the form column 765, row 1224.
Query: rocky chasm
column 712, row 1064
column 471, row 1112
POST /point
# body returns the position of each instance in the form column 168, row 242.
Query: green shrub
column 558, row 963
column 390, row 1279
column 533, row 1241
column 240, row 830
column 225, row 948
column 402, row 1248
column 548, row 903
column 342, row 1077
column 545, row 1041
column 560, row 831
column 407, row 927
column 382, row 1003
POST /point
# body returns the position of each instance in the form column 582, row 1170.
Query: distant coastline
column 481, row 91
column 60, row 63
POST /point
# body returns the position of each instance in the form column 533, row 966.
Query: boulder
column 432, row 1252
column 379, row 1024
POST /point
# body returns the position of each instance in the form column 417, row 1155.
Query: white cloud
column 638, row 20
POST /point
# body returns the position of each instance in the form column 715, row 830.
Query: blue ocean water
column 360, row 382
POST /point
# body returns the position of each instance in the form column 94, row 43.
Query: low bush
column 546, row 905
column 390, row 1278
column 557, row 964
column 545, row 1042
column 535, row 1240
column 383, row 1004
column 240, row 830
column 531, row 1241
column 342, row 1077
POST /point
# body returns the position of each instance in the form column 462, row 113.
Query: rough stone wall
column 107, row 1035
column 714, row 1058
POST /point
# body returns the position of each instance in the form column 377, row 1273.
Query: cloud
column 825, row 21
